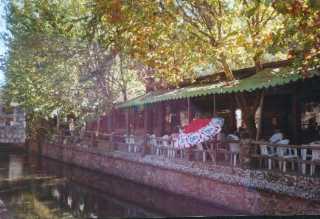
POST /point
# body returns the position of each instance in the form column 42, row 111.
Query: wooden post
column 204, row 156
column 160, row 116
column 259, row 119
column 296, row 117
column 127, row 118
column 109, row 123
column 188, row 107
column 147, row 122
column 245, row 152
column 233, row 116
column 214, row 105
column 150, row 119
column 112, row 121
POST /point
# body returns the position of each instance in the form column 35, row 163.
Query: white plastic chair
column 315, row 157
column 131, row 142
column 287, row 153
column 283, row 151
column 164, row 141
column 167, row 143
column 234, row 148
column 153, row 142
column 268, row 150
column 126, row 138
column 304, row 156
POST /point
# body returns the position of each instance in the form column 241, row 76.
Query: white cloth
column 276, row 137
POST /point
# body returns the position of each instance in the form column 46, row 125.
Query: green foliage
column 56, row 64
column 302, row 31
column 81, row 56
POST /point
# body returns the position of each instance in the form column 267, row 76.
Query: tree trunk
column 257, row 63
column 226, row 68
column 248, row 109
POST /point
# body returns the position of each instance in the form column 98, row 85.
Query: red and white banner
column 198, row 131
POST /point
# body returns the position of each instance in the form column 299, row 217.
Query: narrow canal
column 34, row 187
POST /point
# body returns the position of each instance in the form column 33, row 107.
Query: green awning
column 263, row 79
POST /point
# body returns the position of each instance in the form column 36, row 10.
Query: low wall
column 158, row 201
column 251, row 192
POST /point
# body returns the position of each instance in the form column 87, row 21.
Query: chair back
column 175, row 141
column 264, row 150
column 234, row 147
column 126, row 139
column 131, row 139
column 315, row 153
column 281, row 151
column 165, row 141
column 153, row 140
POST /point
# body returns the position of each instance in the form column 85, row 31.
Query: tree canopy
column 78, row 56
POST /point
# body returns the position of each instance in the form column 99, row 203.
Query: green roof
column 266, row 78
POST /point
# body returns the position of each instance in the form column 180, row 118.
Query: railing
column 291, row 159
column 209, row 152
column 295, row 159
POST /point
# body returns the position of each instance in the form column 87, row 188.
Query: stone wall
column 253, row 192
column 147, row 197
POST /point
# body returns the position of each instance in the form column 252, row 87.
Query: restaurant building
column 290, row 103
column 250, row 173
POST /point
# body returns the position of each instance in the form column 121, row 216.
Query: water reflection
column 48, row 189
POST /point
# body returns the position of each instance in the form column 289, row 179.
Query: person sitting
column 312, row 133
column 276, row 137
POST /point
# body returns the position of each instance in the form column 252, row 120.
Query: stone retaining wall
column 254, row 192
column 156, row 200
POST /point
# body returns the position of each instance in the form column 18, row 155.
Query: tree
column 55, row 64
column 229, row 35
column 302, row 32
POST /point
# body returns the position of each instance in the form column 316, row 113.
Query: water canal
column 35, row 187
